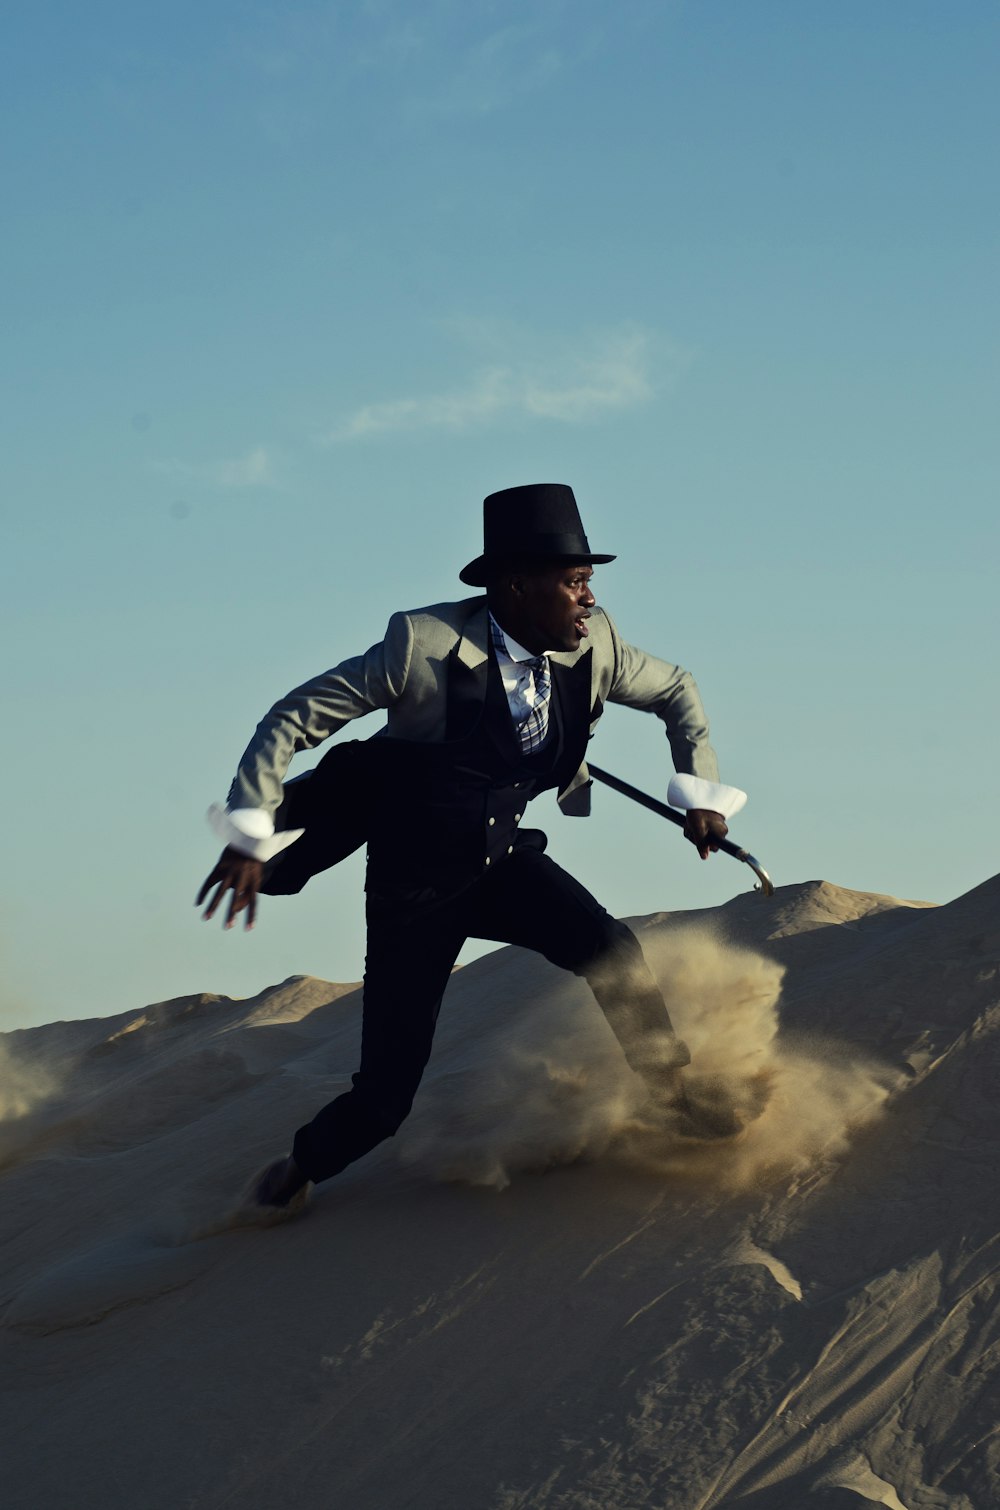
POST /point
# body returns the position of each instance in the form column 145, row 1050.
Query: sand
column 536, row 1297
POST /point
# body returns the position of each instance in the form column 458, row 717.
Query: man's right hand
column 240, row 874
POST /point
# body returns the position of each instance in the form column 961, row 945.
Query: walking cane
column 766, row 886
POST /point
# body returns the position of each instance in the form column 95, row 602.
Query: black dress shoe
column 279, row 1185
column 666, row 1088
column 685, row 1116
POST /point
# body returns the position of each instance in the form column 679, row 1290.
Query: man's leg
column 406, row 972
column 531, row 901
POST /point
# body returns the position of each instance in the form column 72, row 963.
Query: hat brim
column 477, row 573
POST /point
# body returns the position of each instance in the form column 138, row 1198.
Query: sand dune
column 537, row 1297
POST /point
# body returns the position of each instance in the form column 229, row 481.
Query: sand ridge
column 533, row 1299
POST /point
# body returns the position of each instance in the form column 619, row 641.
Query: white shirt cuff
column 694, row 791
column 250, row 831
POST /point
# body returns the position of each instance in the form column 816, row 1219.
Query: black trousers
column 525, row 899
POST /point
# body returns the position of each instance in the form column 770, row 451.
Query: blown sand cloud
column 540, row 1296
column 22, row 1086
column 548, row 1093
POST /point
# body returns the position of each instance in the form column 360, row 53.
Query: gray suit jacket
column 406, row 673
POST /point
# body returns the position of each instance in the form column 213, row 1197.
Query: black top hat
column 538, row 522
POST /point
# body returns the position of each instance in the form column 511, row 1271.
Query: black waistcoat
column 453, row 810
column 425, row 810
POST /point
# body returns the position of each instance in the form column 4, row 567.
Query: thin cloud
column 445, row 59
column 254, row 470
column 251, row 471
column 493, row 72
column 613, row 376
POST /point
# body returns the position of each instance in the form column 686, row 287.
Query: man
column 490, row 701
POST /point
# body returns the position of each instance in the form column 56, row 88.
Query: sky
column 286, row 290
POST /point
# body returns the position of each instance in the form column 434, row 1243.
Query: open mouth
column 581, row 625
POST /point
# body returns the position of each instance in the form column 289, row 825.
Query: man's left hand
column 705, row 828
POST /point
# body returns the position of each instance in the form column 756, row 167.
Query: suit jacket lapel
column 468, row 665
column 473, row 647
column 571, row 687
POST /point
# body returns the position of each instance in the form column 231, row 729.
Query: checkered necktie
column 536, row 699
column 529, row 703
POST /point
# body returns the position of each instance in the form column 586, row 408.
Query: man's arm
column 642, row 681
column 309, row 714
column 305, row 718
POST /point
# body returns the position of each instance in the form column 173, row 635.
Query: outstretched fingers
column 242, row 876
column 206, row 888
column 244, row 897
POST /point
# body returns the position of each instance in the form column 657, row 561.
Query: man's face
column 553, row 606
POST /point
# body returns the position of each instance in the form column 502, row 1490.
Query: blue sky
column 287, row 290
